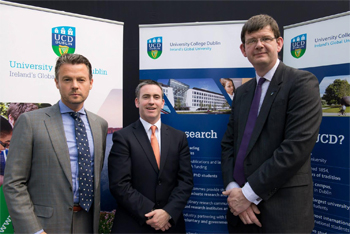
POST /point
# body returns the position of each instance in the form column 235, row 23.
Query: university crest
column 63, row 40
column 298, row 46
column 154, row 47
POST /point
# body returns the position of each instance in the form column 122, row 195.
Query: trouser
column 83, row 221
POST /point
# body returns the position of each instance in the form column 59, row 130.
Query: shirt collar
column 147, row 125
column 268, row 76
column 65, row 109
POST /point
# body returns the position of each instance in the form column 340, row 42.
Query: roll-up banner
column 322, row 46
column 31, row 40
column 199, row 66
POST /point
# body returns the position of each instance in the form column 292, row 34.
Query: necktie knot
column 153, row 128
column 261, row 81
column 74, row 114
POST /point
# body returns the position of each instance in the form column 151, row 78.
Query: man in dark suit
column 150, row 172
column 266, row 161
column 42, row 183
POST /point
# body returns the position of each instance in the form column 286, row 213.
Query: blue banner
column 322, row 47
column 204, row 123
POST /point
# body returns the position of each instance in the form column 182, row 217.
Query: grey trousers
column 83, row 221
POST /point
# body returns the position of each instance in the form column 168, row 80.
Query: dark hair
column 16, row 109
column 72, row 59
column 5, row 127
column 147, row 82
column 257, row 23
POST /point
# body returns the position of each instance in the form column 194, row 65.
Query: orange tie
column 155, row 145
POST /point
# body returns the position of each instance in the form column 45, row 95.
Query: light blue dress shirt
column 69, row 130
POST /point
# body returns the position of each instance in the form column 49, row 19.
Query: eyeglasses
column 263, row 40
column 5, row 144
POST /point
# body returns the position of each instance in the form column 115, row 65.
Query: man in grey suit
column 42, row 177
column 272, row 130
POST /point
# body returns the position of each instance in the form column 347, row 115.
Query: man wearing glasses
column 272, row 130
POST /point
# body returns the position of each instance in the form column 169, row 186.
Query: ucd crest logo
column 298, row 46
column 63, row 40
column 154, row 47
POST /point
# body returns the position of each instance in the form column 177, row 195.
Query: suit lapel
column 141, row 136
column 165, row 141
column 271, row 94
column 244, row 107
column 54, row 126
column 97, row 140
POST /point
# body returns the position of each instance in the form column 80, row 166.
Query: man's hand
column 236, row 201
column 248, row 216
column 158, row 219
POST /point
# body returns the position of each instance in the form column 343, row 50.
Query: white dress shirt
column 148, row 130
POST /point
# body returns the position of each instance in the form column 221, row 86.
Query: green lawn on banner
column 5, row 220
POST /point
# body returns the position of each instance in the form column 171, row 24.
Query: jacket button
column 159, row 182
column 70, row 208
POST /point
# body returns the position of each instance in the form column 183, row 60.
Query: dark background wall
column 134, row 13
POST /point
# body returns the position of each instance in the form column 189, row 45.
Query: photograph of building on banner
column 199, row 96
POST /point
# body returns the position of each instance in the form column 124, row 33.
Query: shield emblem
column 63, row 49
column 154, row 47
column 63, row 40
column 298, row 46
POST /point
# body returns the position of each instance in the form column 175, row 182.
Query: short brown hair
column 147, row 82
column 16, row 109
column 72, row 59
column 257, row 23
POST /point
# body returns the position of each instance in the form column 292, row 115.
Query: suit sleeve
column 119, row 172
column 17, row 174
column 104, row 126
column 227, row 151
column 182, row 192
column 302, row 121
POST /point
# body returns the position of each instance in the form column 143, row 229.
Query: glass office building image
column 185, row 99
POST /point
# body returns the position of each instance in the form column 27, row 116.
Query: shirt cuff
column 39, row 231
column 232, row 185
column 250, row 195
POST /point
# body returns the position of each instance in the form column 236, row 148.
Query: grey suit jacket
column 38, row 178
column 277, row 163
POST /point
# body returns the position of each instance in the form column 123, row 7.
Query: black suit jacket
column 139, row 186
column 277, row 163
